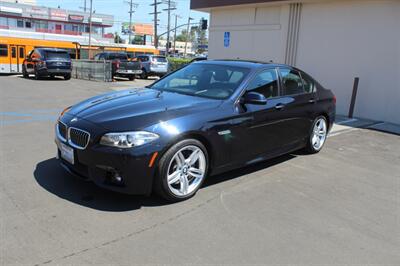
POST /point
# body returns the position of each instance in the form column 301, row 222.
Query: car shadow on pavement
column 52, row 177
column 56, row 78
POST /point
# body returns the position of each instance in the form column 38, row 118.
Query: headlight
column 128, row 139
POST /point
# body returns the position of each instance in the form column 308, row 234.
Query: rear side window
column 291, row 81
column 57, row 55
column 159, row 59
column 266, row 83
column 308, row 83
column 118, row 56
column 3, row 50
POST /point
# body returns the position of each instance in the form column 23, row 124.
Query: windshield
column 204, row 80
column 57, row 55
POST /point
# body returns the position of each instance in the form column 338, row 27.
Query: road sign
column 227, row 39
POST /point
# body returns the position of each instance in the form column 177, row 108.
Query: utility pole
column 171, row 6
column 155, row 13
column 131, row 11
column 187, row 35
column 176, row 25
column 90, row 28
column 84, row 6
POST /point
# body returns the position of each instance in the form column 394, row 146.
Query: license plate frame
column 67, row 153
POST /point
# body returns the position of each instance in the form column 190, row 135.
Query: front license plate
column 67, row 153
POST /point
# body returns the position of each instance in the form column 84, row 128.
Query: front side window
column 266, row 83
column 291, row 81
column 204, row 80
column 3, row 50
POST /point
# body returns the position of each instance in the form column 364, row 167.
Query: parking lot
column 340, row 206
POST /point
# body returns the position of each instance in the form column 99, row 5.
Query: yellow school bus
column 13, row 50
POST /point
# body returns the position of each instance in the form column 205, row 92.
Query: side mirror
column 254, row 98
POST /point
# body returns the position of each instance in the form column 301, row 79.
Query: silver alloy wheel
column 186, row 170
column 319, row 134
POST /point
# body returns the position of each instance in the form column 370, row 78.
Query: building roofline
column 206, row 4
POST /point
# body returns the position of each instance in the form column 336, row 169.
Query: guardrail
column 98, row 70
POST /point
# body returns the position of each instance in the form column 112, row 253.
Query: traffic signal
column 204, row 24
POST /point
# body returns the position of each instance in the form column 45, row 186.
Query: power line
column 155, row 13
column 131, row 11
column 171, row 6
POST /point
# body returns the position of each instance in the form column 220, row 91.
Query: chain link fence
column 98, row 70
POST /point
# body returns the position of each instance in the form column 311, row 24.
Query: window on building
column 292, row 82
column 3, row 21
column 3, row 50
column 20, row 23
column 266, row 83
column 28, row 24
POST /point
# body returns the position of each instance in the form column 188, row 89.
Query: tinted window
column 118, row 56
column 292, row 82
column 159, row 59
column 21, row 52
column 3, row 50
column 143, row 58
column 204, row 80
column 265, row 83
column 13, row 52
column 56, row 55
column 308, row 83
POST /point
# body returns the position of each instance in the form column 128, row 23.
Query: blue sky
column 119, row 9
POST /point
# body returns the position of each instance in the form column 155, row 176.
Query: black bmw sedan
column 206, row 118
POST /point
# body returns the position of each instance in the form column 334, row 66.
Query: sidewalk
column 344, row 123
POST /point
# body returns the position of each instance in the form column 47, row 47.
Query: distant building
column 180, row 47
column 333, row 40
column 31, row 18
column 27, row 2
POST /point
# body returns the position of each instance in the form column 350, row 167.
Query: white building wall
column 338, row 40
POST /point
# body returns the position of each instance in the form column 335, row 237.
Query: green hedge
column 176, row 63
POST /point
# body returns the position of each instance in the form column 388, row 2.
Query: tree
column 117, row 38
column 138, row 39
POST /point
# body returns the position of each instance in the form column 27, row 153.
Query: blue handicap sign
column 227, row 38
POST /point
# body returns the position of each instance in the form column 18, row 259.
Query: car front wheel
column 318, row 135
column 182, row 170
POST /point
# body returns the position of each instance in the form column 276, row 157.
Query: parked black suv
column 47, row 62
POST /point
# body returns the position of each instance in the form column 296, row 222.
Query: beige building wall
column 337, row 41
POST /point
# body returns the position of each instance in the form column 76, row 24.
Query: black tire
column 37, row 76
column 144, row 74
column 310, row 148
column 160, row 183
column 67, row 76
column 24, row 73
column 52, row 76
column 131, row 78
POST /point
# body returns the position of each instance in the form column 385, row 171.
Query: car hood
column 138, row 108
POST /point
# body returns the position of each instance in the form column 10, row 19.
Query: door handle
column 312, row 100
column 279, row 106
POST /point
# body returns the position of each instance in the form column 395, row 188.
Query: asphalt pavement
column 338, row 207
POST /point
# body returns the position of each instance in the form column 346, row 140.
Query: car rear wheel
column 144, row 74
column 182, row 170
column 318, row 135
column 24, row 72
column 37, row 76
column 67, row 76
column 131, row 78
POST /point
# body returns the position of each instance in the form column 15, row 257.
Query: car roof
column 239, row 63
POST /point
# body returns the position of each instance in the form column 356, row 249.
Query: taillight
column 117, row 63
column 334, row 99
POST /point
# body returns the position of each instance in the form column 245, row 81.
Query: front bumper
column 101, row 164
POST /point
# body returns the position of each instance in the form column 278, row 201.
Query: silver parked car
column 153, row 65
